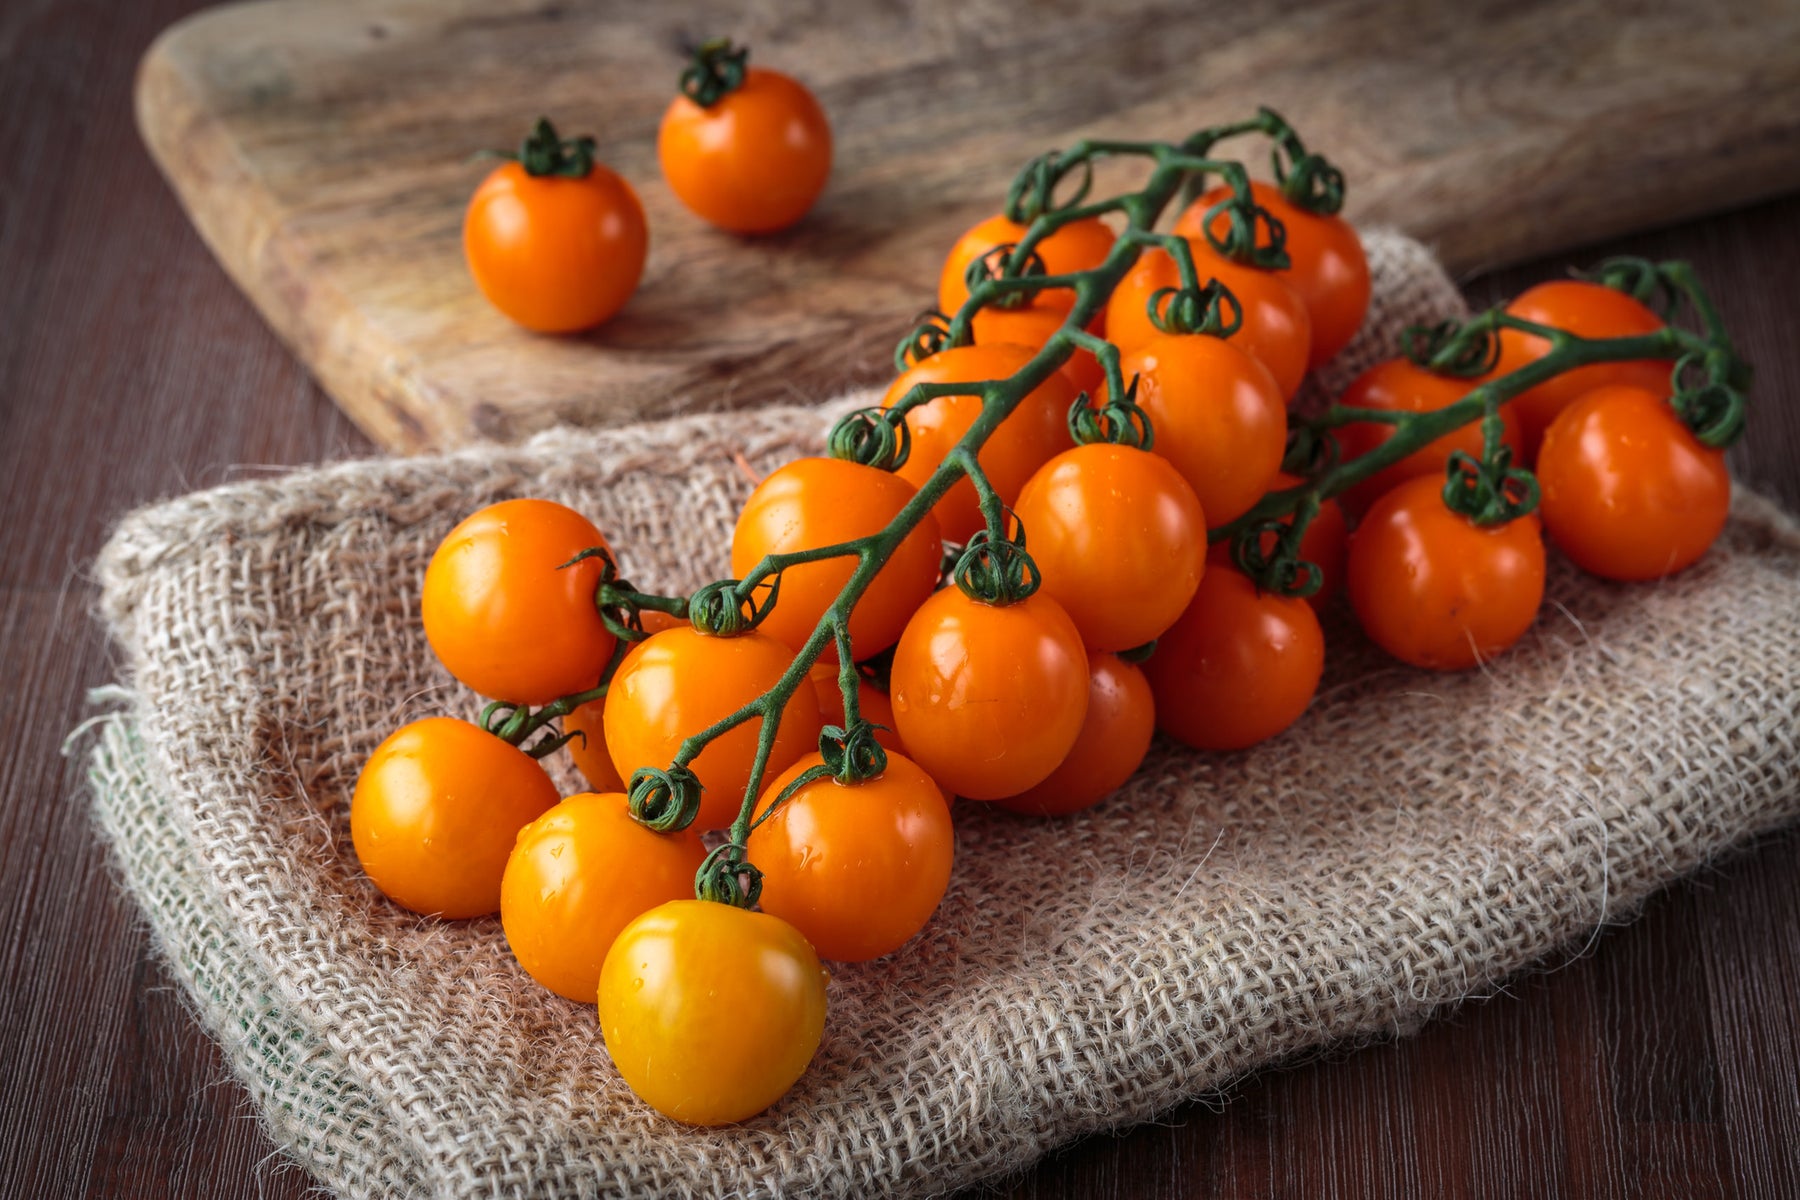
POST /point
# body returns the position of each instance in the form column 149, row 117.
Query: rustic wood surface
column 1664, row 1061
column 318, row 148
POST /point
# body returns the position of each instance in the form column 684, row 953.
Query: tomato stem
column 716, row 69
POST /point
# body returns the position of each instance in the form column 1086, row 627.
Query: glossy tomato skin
column 1239, row 667
column 1078, row 246
column 589, row 749
column 989, row 699
column 1399, row 385
column 1325, row 544
column 815, row 502
column 876, row 708
column 1588, row 310
column 1628, row 492
column 578, row 875
column 711, row 1013
column 1031, row 326
column 1034, row 433
column 1120, row 539
column 678, row 682
column 1328, row 270
column 436, row 810
column 755, row 161
column 1115, row 736
column 1218, row 416
column 556, row 255
column 504, row 615
column 1435, row 590
column 858, row 868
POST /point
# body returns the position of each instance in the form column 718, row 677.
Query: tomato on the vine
column 876, row 708
column 504, row 612
column 1401, row 385
column 1436, row 590
column 1325, row 544
column 1628, row 491
column 1114, row 737
column 1240, row 666
column 577, row 876
column 676, row 683
column 816, row 502
column 711, row 1013
column 989, row 698
column 1031, row 326
column 588, row 747
column 436, row 810
column 755, row 160
column 1078, row 246
column 857, row 868
column 1026, row 440
column 1120, row 539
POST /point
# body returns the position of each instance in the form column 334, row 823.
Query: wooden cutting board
column 321, row 147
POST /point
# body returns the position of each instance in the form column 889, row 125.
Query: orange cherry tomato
column 1114, row 737
column 989, row 699
column 1328, row 270
column 1325, row 544
column 555, row 254
column 1218, row 416
column 577, row 876
column 877, row 709
column 1400, row 385
column 816, row 502
column 1628, row 491
column 678, row 682
column 1120, row 540
column 589, row 749
column 505, row 615
column 859, row 868
column 1026, row 440
column 754, row 161
column 1588, row 310
column 1436, row 590
column 710, row 1012
column 1239, row 667
column 1078, row 246
column 1277, row 330
column 1031, row 326
column 436, row 810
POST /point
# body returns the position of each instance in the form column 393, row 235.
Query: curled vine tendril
column 716, row 70
column 1489, row 490
column 1119, row 421
column 1269, row 553
column 1311, row 451
column 998, row 263
column 1213, row 310
column 930, row 333
column 1253, row 235
column 874, row 437
column 1466, row 350
column 725, row 877
column 718, row 609
column 663, row 798
column 1033, row 189
column 996, row 572
column 1308, row 181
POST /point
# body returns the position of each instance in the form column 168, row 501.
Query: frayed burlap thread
column 1412, row 841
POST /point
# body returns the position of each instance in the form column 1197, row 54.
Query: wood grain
column 321, row 148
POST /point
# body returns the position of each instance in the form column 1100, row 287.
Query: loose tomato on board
column 710, row 1012
column 676, row 683
column 504, row 612
column 555, row 240
column 857, row 868
column 1078, row 246
column 989, row 699
column 1400, row 385
column 1120, row 539
column 815, row 502
column 436, row 810
column 579, row 874
column 1115, row 736
column 1436, row 590
column 876, row 708
column 1628, row 492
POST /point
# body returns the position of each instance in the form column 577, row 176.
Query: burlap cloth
column 1412, row 840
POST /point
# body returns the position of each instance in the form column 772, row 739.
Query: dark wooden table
column 1665, row 1061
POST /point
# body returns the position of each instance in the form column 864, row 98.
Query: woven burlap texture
column 1415, row 838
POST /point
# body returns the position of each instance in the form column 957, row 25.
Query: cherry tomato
column 555, row 254
column 1218, row 417
column 815, row 502
column 1120, row 540
column 1276, row 328
column 1399, row 385
column 1588, row 310
column 589, row 750
column 1329, row 270
column 1240, row 665
column 505, row 615
column 710, row 1012
column 435, row 812
column 577, row 876
column 859, row 868
column 678, row 682
column 1031, row 326
column 1325, row 544
column 1436, row 590
column 877, row 709
column 1078, row 246
column 1026, row 440
column 989, row 699
column 752, row 162
column 1114, row 737
column 1628, row 491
